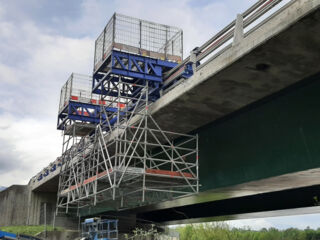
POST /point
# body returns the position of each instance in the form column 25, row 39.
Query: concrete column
column 238, row 30
column 193, row 59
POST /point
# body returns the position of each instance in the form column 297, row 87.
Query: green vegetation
column 28, row 230
column 224, row 232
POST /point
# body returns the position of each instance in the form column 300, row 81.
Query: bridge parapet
column 47, row 174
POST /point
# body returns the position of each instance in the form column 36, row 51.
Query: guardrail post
column 238, row 30
column 193, row 58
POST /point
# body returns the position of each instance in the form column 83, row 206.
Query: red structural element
column 100, row 102
column 83, row 113
column 148, row 170
column 168, row 173
column 121, row 105
column 74, row 98
column 91, row 179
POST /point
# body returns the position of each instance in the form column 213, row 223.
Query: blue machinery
column 113, row 149
column 100, row 229
column 11, row 236
column 7, row 235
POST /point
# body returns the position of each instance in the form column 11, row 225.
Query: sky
column 43, row 41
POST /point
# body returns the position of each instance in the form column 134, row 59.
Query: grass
column 28, row 230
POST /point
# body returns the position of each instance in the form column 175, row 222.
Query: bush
column 218, row 231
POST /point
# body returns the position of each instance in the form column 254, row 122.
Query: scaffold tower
column 114, row 151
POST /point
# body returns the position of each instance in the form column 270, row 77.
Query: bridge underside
column 295, row 193
column 264, row 162
column 51, row 185
column 279, row 53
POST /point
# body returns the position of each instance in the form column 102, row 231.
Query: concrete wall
column 36, row 209
column 14, row 205
column 19, row 205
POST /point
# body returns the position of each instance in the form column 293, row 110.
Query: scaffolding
column 114, row 151
column 129, row 158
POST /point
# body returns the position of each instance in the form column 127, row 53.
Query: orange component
column 74, row 98
column 102, row 102
column 83, row 113
column 89, row 180
column 121, row 105
column 102, row 174
column 93, row 101
column 169, row 173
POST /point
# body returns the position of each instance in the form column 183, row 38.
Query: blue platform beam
column 133, row 68
column 83, row 112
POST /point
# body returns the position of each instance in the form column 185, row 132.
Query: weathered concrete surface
column 52, row 182
column 279, row 53
column 14, row 205
column 19, row 205
column 36, row 209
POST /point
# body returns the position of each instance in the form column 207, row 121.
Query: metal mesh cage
column 139, row 36
column 77, row 88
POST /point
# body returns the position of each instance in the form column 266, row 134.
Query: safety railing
column 250, row 20
column 77, row 88
column 138, row 36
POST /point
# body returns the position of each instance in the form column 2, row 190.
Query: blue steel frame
column 83, row 112
column 132, row 66
column 133, row 69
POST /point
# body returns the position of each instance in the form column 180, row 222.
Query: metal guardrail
column 223, row 39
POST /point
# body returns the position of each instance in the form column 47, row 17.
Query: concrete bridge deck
column 281, row 51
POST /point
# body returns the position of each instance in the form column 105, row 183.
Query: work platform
column 139, row 37
column 79, row 105
column 129, row 159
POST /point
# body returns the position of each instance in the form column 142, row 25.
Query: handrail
column 256, row 11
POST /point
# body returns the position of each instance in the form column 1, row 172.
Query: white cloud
column 7, row 75
column 33, row 66
column 27, row 145
column 44, row 63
